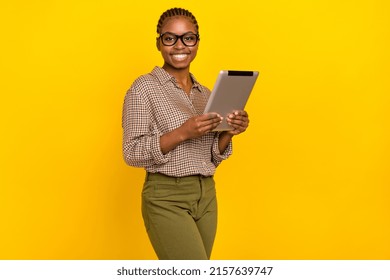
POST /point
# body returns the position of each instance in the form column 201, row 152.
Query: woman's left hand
column 239, row 120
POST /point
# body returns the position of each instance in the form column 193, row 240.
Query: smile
column 180, row 56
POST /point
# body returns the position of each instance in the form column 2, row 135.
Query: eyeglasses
column 189, row 39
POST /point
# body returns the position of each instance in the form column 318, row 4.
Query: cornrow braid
column 176, row 12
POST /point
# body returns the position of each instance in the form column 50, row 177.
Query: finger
column 215, row 119
column 240, row 113
column 233, row 117
column 209, row 116
column 207, row 125
column 238, row 123
column 214, row 123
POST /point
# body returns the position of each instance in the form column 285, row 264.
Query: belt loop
column 177, row 180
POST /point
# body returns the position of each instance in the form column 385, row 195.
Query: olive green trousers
column 180, row 215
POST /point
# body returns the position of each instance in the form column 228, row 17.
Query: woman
column 166, row 132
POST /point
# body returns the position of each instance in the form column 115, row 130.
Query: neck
column 182, row 76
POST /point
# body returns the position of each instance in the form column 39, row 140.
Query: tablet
column 231, row 92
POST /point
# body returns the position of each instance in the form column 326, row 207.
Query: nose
column 179, row 44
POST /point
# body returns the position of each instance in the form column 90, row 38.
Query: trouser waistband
column 166, row 178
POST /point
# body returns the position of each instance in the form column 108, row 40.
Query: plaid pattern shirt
column 155, row 105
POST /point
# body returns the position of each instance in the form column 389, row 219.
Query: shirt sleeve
column 217, row 157
column 141, row 141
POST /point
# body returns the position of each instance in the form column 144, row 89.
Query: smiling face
column 177, row 57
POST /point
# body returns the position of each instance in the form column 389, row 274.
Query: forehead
column 178, row 25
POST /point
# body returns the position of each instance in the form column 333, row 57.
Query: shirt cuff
column 158, row 156
column 217, row 156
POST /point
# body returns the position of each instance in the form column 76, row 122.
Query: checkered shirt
column 155, row 105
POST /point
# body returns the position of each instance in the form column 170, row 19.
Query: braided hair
column 176, row 12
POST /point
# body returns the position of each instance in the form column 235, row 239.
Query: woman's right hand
column 199, row 125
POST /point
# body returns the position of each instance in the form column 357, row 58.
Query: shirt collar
column 163, row 77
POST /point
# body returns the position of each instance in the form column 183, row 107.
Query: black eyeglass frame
column 177, row 37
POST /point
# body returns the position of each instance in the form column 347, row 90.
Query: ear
column 158, row 44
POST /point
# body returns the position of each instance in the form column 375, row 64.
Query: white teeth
column 180, row 56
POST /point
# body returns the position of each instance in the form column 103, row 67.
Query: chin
column 178, row 66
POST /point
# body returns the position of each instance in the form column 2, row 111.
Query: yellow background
column 308, row 180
